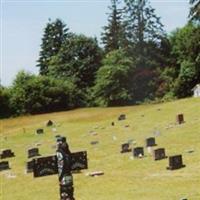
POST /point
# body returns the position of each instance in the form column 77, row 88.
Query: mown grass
column 125, row 178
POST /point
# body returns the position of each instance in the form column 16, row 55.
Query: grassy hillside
column 125, row 178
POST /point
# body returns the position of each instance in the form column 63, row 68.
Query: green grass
column 125, row 178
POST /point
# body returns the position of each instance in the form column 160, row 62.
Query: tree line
column 139, row 62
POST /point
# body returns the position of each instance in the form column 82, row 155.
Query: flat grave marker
column 122, row 117
column 94, row 142
column 175, row 162
column 96, row 173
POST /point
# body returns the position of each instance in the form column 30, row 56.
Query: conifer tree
column 113, row 36
column 142, row 25
column 195, row 10
column 54, row 35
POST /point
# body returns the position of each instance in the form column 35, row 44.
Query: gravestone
column 94, row 142
column 40, row 131
column 150, row 142
column 113, row 123
column 138, row 152
column 175, row 162
column 45, row 166
column 4, row 165
column 49, row 123
column 29, row 166
column 33, row 152
column 122, row 117
column 79, row 160
column 180, row 119
column 6, row 153
column 97, row 173
column 125, row 148
column 159, row 154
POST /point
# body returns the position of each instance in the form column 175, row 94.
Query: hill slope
column 125, row 178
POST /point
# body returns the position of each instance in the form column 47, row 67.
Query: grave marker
column 33, row 152
column 150, row 142
column 4, row 165
column 97, row 173
column 29, row 166
column 49, row 123
column 180, row 119
column 125, row 148
column 94, row 142
column 113, row 123
column 45, row 166
column 6, row 153
column 138, row 152
column 122, row 117
column 40, row 131
column 159, row 154
column 175, row 162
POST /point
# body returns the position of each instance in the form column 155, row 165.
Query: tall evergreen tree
column 145, row 36
column 195, row 10
column 113, row 36
column 142, row 24
column 54, row 35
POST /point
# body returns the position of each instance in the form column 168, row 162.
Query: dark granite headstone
column 79, row 160
column 150, row 142
column 49, row 123
column 40, row 131
column 122, row 117
column 45, row 166
column 29, row 166
column 180, row 119
column 138, row 152
column 125, row 148
column 175, row 162
column 113, row 123
column 4, row 165
column 6, row 153
column 159, row 154
column 33, row 152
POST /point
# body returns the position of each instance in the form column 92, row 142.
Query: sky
column 23, row 23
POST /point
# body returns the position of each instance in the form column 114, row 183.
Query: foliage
column 4, row 102
column 142, row 25
column 54, row 35
column 113, row 36
column 111, row 87
column 40, row 94
column 79, row 58
column 185, row 50
column 195, row 10
column 186, row 80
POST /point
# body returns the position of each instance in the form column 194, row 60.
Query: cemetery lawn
column 125, row 178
